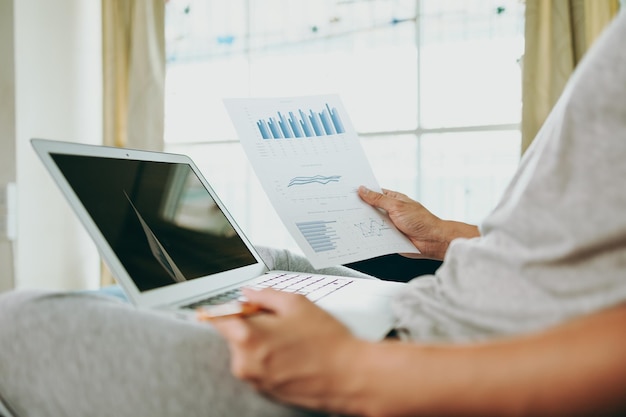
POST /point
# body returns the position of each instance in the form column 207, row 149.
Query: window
column 433, row 87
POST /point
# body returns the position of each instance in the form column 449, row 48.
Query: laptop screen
column 157, row 217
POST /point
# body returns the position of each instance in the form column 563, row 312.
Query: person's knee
column 275, row 258
column 13, row 304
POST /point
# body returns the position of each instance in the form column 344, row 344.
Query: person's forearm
column 443, row 235
column 577, row 368
column 456, row 230
column 462, row 230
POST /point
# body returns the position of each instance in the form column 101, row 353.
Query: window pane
column 364, row 51
column 194, row 111
column 204, row 43
column 378, row 88
column 463, row 175
column 394, row 160
column 469, row 63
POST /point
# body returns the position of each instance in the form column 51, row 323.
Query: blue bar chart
column 319, row 234
column 301, row 124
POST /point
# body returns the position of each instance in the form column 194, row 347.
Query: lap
column 77, row 354
column 82, row 353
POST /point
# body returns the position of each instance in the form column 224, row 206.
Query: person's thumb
column 372, row 197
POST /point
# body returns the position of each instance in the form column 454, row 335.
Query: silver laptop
column 172, row 244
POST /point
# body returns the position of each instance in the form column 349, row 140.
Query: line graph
column 319, row 179
column 372, row 227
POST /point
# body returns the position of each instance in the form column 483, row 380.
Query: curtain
column 133, row 37
column 558, row 33
column 134, row 72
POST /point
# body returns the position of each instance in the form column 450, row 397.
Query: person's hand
column 430, row 234
column 294, row 351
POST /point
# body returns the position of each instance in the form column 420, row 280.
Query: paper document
column 310, row 162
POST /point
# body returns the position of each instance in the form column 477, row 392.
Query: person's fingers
column 272, row 300
column 385, row 200
column 234, row 329
column 396, row 195
column 413, row 255
column 241, row 341
column 373, row 198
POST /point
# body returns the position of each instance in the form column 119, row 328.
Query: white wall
column 58, row 71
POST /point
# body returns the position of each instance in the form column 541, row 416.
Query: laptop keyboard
column 314, row 287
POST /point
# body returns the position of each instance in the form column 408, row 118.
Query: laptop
column 172, row 244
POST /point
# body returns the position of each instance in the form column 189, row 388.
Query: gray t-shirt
column 555, row 246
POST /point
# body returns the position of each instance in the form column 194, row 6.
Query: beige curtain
column 558, row 33
column 134, row 72
column 133, row 33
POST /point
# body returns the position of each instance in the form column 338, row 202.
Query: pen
column 241, row 309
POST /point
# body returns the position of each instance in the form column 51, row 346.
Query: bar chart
column 300, row 123
column 321, row 235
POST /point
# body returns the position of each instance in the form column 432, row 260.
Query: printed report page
column 310, row 162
